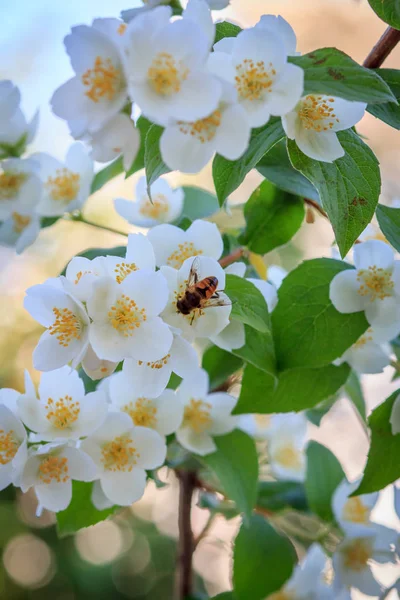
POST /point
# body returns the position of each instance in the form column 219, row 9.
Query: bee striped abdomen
column 206, row 287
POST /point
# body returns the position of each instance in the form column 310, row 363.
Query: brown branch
column 382, row 48
column 187, row 485
column 232, row 257
column 316, row 206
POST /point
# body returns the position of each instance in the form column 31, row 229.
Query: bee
column 199, row 294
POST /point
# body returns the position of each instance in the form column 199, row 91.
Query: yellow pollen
column 184, row 251
column 54, row 469
column 10, row 184
column 156, row 210
column 355, row 511
column 79, row 276
column 142, row 412
column 8, row 446
column 21, row 222
column 253, row 79
column 62, row 413
column 166, row 75
column 288, row 457
column 263, row 420
column 375, row 283
column 121, row 29
column 204, row 130
column 197, row 415
column 125, row 316
column 119, row 455
column 158, row 364
column 123, row 269
column 104, row 80
column 357, row 554
column 64, row 186
column 364, row 339
column 315, row 113
column 66, row 327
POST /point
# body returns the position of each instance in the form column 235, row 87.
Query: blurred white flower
column 13, row 443
column 276, row 274
column 16, row 133
column 20, row 187
column 165, row 206
column 20, row 230
column 118, row 136
column 10, row 98
column 256, row 425
column 97, row 368
column 279, row 26
column 286, row 447
column 129, row 14
column 353, row 514
column 367, row 355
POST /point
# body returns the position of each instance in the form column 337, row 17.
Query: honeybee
column 199, row 294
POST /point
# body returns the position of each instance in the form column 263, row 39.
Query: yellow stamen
column 123, row 269
column 125, row 316
column 184, row 251
column 122, row 28
column 263, row 420
column 67, row 327
column 315, row 113
column 156, row 210
column 288, row 456
column 375, row 283
column 158, row 364
column 104, row 80
column 21, row 222
column 119, row 454
column 254, row 79
column 54, row 469
column 204, row 130
column 63, row 412
column 357, row 554
column 166, row 74
column 8, row 446
column 355, row 511
column 64, row 186
column 142, row 412
column 197, row 415
column 10, row 184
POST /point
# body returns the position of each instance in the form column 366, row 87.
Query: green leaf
column 316, row 414
column 349, row 187
column 388, row 11
column 104, row 175
column 248, row 303
column 153, row 163
column 225, row 29
column 263, row 560
column 224, row 596
column 324, row 473
column 235, row 463
column 383, row 464
column 297, row 389
column 229, row 174
column 308, row 330
column 280, row 495
column 389, row 222
column 258, row 350
column 331, row 71
column 48, row 221
column 219, row 365
column 94, row 252
column 352, row 389
column 143, row 125
column 272, row 218
column 81, row 512
column 198, row 203
column 277, row 168
column 389, row 112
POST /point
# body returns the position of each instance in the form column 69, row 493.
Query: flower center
column 66, row 327
column 166, row 74
column 203, row 130
column 64, row 186
column 21, row 222
column 317, row 113
column 104, row 81
column 142, row 412
column 184, row 251
column 288, row 457
column 123, row 269
column 158, row 364
column 10, row 184
column 119, row 454
column 355, row 511
column 54, row 469
column 8, row 446
column 197, row 415
column 357, row 554
column 364, row 339
column 253, row 79
column 263, row 420
column 122, row 28
column 375, row 283
column 62, row 413
column 156, row 210
column 125, row 316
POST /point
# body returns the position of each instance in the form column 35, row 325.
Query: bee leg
column 192, row 319
column 215, row 295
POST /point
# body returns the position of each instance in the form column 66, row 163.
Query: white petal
column 184, row 359
column 280, row 27
column 237, row 268
column 59, row 383
column 124, row 488
column 6, row 475
column 231, row 337
column 54, row 496
column 79, row 161
column 33, row 414
column 268, row 291
column 145, row 380
column 395, row 417
column 198, row 11
column 343, row 292
column 169, row 413
column 254, row 44
column 165, row 240
column 140, row 251
column 9, row 398
column 151, row 341
column 199, row 97
column 233, row 134
column 368, row 358
column 104, row 294
column 206, row 237
column 198, row 443
column 151, row 447
column 183, row 152
column 93, row 412
column 342, row 504
column 258, row 112
column 383, row 313
column 320, row 145
column 96, row 368
column 225, row 45
column 49, row 354
column 286, row 90
column 347, row 113
column 98, row 497
column 80, row 466
column 194, row 387
column 116, row 424
column 373, row 253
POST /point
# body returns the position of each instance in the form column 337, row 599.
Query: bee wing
column 194, row 272
column 217, row 301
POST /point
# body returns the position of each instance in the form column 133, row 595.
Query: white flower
column 396, row 491
column 276, row 274
column 200, row 322
column 172, row 245
column 50, row 470
column 166, row 63
column 373, row 286
column 10, row 98
column 66, row 186
column 13, row 441
column 165, row 206
column 163, row 413
column 122, row 452
column 279, row 26
column 98, row 497
column 313, row 124
column 20, row 187
column 353, row 514
column 218, row 4
column 16, row 132
column 205, row 415
column 66, row 320
column 395, row 417
column 151, row 378
column 286, row 448
column 20, row 230
column 98, row 91
column 257, row 426
column 255, row 62
column 198, row 11
column 367, row 355
column 126, row 320
column 129, row 14
column 351, row 561
column 118, row 136
column 95, row 367
column 306, row 581
column 62, row 410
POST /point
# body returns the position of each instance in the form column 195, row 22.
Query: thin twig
column 205, row 529
column 316, row 206
column 232, row 257
column 382, row 48
column 81, row 219
column 187, row 485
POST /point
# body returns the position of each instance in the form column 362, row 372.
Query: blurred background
column 133, row 556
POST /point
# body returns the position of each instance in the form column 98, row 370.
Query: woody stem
column 387, row 42
column 186, row 546
column 225, row 261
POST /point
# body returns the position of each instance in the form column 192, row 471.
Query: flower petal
column 150, row 446
column 343, row 292
column 319, row 145
column 169, row 413
column 151, row 341
column 198, row 443
column 373, row 253
column 140, row 251
column 54, row 496
column 80, row 466
column 124, row 488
